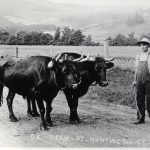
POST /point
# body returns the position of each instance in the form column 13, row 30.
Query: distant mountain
column 46, row 16
column 137, row 22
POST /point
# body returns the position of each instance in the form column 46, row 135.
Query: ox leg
column 42, row 113
column 34, row 108
column 48, row 111
column 70, row 104
column 10, row 98
column 32, row 111
column 29, row 112
column 75, row 104
column 1, row 93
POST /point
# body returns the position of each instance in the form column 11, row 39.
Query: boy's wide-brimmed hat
column 145, row 41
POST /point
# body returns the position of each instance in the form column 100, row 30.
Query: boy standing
column 142, row 80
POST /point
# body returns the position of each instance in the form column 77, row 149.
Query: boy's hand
column 134, row 83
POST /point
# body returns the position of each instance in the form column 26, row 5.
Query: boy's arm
column 135, row 68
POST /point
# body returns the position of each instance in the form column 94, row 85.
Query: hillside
column 46, row 16
column 137, row 22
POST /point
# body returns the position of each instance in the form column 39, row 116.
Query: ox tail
column 1, row 100
column 1, row 94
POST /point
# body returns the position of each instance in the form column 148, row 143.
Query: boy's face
column 144, row 47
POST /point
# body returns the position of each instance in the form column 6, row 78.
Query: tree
column 76, row 38
column 66, row 36
column 12, row 40
column 35, row 38
column 20, row 37
column 131, row 39
column 46, row 39
column 27, row 39
column 71, row 37
column 120, row 40
column 111, row 41
column 57, row 36
column 4, row 36
column 88, row 41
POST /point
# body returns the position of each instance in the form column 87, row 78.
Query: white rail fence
column 124, row 56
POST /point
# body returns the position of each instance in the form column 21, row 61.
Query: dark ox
column 37, row 77
column 31, row 104
column 92, row 71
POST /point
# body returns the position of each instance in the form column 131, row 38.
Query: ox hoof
column 77, row 121
column 50, row 124
column 29, row 114
column 13, row 119
column 43, row 126
column 72, row 121
column 35, row 114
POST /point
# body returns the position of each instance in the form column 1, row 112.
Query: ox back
column 24, row 76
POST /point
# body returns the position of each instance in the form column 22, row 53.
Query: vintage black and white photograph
column 74, row 73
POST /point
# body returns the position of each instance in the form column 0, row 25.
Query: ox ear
column 109, row 65
column 51, row 64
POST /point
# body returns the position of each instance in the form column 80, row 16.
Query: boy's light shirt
column 143, row 56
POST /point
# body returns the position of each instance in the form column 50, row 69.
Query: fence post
column 51, row 50
column 16, row 52
column 106, row 48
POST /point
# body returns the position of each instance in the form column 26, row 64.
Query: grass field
column 119, row 91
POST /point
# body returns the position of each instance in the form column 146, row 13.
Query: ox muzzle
column 103, row 83
column 75, row 86
column 77, row 83
column 100, row 83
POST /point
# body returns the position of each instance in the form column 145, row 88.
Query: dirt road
column 103, row 125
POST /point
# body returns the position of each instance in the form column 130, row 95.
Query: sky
column 134, row 3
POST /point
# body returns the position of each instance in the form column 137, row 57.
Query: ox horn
column 85, row 59
column 58, row 57
column 50, row 64
column 109, row 59
column 92, row 59
column 66, row 56
column 78, row 59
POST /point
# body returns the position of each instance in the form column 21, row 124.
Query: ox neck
column 88, row 67
column 56, row 82
column 92, row 77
